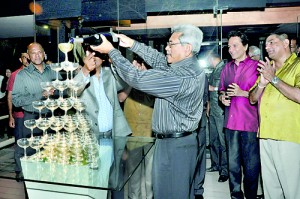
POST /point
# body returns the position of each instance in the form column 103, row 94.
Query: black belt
column 172, row 135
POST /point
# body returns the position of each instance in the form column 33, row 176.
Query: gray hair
column 254, row 50
column 282, row 37
column 190, row 34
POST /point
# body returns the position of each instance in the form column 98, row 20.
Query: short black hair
column 242, row 36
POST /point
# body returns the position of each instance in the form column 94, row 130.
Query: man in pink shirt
column 241, row 118
column 16, row 115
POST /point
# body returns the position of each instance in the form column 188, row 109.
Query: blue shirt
column 105, row 115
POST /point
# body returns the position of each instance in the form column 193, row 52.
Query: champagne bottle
column 94, row 40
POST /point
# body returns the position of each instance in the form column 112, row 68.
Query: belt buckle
column 159, row 136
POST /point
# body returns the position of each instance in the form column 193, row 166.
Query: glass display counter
column 59, row 180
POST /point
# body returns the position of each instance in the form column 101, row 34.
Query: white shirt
column 105, row 114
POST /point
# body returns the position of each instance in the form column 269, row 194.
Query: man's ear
column 286, row 43
column 188, row 50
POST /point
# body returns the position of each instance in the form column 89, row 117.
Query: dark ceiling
column 83, row 17
column 90, row 16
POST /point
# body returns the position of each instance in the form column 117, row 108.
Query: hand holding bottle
column 105, row 47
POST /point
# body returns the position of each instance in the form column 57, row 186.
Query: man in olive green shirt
column 278, row 95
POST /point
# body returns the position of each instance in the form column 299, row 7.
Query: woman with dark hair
column 3, row 105
column 241, row 119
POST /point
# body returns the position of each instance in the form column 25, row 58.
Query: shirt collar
column 31, row 67
column 185, row 62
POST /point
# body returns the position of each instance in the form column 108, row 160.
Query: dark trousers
column 201, row 157
column 218, row 151
column 18, row 133
column 19, row 152
column 243, row 152
column 174, row 164
column 18, row 130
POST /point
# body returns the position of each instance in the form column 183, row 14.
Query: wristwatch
column 275, row 80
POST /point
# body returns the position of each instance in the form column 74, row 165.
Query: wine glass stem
column 75, row 93
column 66, row 57
column 56, row 75
column 25, row 155
column 31, row 133
column 40, row 114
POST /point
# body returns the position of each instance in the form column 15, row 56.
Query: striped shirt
column 27, row 86
column 178, row 88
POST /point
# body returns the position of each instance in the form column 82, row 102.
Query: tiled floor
column 214, row 189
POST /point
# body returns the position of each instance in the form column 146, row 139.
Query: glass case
column 59, row 180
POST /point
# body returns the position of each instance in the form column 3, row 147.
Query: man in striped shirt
column 177, row 82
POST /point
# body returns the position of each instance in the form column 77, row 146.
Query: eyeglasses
column 173, row 44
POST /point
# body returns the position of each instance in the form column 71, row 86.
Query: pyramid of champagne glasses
column 71, row 138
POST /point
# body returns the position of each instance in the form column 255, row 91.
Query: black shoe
column 223, row 178
column 199, row 197
column 19, row 177
column 261, row 196
column 212, row 169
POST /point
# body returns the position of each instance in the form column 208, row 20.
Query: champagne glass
column 71, row 125
column 52, row 105
column 70, row 67
column 43, row 124
column 50, row 145
column 56, row 67
column 61, row 86
column 65, row 48
column 36, row 143
column 79, row 106
column 39, row 105
column 57, row 124
column 84, row 125
column 47, row 86
column 31, row 124
column 66, row 105
column 74, row 86
column 24, row 143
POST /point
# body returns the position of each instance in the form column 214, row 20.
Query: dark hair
column 242, row 36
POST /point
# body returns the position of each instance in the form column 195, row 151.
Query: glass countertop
column 111, row 174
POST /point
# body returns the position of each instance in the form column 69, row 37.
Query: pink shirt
column 240, row 115
column 10, row 85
